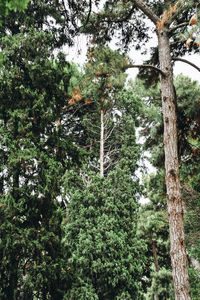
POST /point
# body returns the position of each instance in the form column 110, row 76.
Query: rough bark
column 102, row 144
column 174, row 195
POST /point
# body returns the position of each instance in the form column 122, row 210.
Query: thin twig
column 179, row 26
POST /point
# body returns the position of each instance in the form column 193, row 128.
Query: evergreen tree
column 100, row 229
column 168, row 20
column 106, row 258
column 188, row 114
column 153, row 229
column 35, row 152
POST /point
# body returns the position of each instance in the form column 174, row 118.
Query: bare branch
column 187, row 62
column 147, row 11
column 179, row 26
column 89, row 13
column 145, row 66
column 108, row 134
column 112, row 163
column 110, row 153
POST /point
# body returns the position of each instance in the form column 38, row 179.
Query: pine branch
column 145, row 66
column 186, row 61
column 111, row 164
column 147, row 11
column 89, row 13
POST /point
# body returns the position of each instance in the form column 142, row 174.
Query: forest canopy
column 75, row 142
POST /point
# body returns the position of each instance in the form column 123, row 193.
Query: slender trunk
column 16, row 168
column 155, row 258
column 102, row 144
column 174, row 196
column 156, row 296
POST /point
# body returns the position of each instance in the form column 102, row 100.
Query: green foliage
column 195, row 283
column 153, row 230
column 104, row 76
column 187, row 93
column 34, row 155
column 102, row 246
column 16, row 5
column 106, row 257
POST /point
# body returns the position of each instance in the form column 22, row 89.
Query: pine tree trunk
column 174, row 196
column 102, row 144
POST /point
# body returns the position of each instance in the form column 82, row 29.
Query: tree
column 35, row 152
column 188, row 148
column 167, row 19
column 106, row 258
column 104, row 77
column 153, row 229
column 100, row 229
column 32, row 98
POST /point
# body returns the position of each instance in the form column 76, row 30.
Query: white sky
column 77, row 54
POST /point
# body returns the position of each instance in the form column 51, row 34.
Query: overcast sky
column 78, row 55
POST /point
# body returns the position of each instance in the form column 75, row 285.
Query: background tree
column 100, row 229
column 104, row 77
column 35, row 153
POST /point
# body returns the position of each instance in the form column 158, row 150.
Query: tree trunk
column 155, row 257
column 174, row 196
column 102, row 144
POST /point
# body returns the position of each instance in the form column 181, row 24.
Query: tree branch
column 147, row 11
column 145, row 66
column 89, row 13
column 179, row 26
column 186, row 61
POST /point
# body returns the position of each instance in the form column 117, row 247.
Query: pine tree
column 167, row 19
column 188, row 146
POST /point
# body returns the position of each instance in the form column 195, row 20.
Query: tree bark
column 102, row 144
column 174, row 195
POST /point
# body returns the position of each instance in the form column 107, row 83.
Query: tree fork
column 174, row 195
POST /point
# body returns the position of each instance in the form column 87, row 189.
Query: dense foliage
column 71, row 222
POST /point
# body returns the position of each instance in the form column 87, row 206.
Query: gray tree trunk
column 174, row 195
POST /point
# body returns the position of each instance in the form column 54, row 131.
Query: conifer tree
column 35, row 152
column 106, row 258
column 187, row 92
column 168, row 19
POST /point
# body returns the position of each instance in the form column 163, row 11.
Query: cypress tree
column 35, row 153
